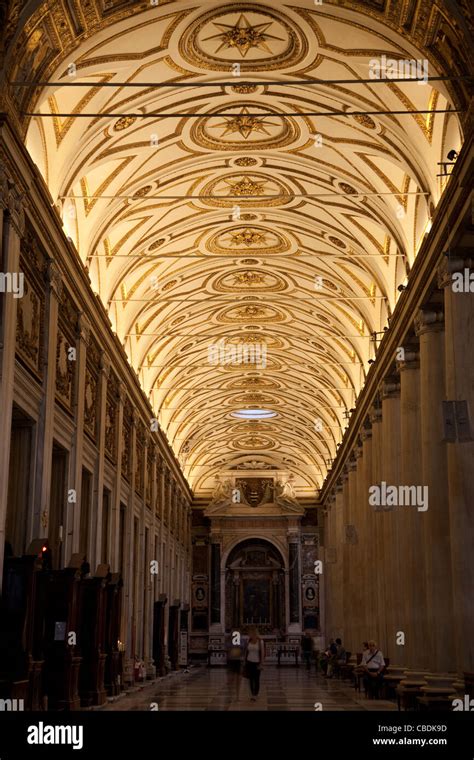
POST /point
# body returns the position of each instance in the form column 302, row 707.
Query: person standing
column 332, row 654
column 253, row 662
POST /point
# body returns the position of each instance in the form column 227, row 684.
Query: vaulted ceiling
column 237, row 213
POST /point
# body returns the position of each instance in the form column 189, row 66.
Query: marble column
column 359, row 632
column 235, row 600
column 144, row 553
column 167, row 504
column 188, row 549
column 346, row 565
column 172, row 540
column 429, row 325
column 98, row 490
column 456, row 276
column 412, row 519
column 390, row 569
column 378, row 615
column 152, row 577
column 116, row 496
column 366, row 536
column 164, row 530
column 45, row 424
column 130, row 581
column 159, row 520
column 73, row 511
column 328, row 565
column 215, row 595
column 294, row 582
column 171, row 509
column 12, row 228
column 337, row 593
column 351, row 551
column 174, row 513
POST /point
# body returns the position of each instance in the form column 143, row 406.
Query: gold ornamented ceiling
column 240, row 223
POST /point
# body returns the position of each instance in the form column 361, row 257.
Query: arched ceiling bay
column 241, row 219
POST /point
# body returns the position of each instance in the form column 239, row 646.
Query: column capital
column 121, row 392
column 352, row 461
column 135, row 418
column 104, row 364
column 411, row 359
column 16, row 210
column 390, row 388
column 429, row 320
column 375, row 415
column 4, row 188
column 55, row 278
column 83, row 328
column 13, row 201
column 366, row 429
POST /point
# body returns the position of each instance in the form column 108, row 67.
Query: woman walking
column 253, row 661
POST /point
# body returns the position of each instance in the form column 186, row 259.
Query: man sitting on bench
column 373, row 664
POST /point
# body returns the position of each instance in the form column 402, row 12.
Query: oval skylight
column 254, row 414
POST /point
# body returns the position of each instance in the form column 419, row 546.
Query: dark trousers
column 254, row 677
column 372, row 685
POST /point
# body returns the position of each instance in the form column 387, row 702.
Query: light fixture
column 254, row 414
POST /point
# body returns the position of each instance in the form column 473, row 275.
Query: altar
column 262, row 550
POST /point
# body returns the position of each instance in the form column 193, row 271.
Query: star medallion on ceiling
column 249, row 279
column 248, row 237
column 243, row 36
column 244, row 124
column 246, row 186
column 251, row 311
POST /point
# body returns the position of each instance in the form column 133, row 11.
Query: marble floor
column 218, row 689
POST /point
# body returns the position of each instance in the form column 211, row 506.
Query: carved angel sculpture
column 285, row 494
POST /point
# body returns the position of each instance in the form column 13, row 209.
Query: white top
column 253, row 651
column 376, row 662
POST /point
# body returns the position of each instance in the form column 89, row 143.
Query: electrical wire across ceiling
column 250, row 237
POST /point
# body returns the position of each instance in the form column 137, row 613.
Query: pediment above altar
column 268, row 496
column 229, row 509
